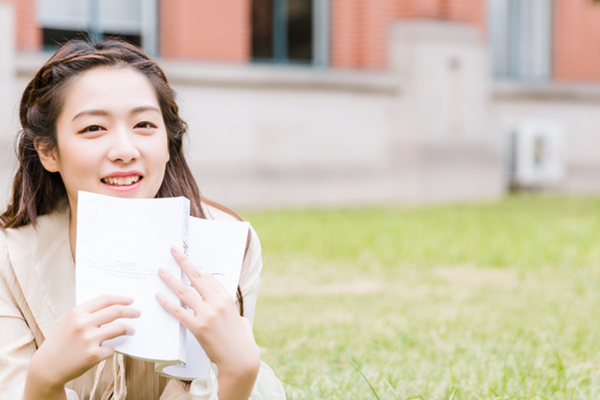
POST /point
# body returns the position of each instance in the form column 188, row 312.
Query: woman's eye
column 92, row 128
column 145, row 125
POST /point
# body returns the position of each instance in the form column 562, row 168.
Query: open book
column 121, row 244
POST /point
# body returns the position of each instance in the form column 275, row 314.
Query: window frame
column 89, row 23
column 320, row 35
column 521, row 38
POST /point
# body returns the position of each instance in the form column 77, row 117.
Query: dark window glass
column 53, row 38
column 300, row 30
column 282, row 30
column 135, row 40
column 262, row 29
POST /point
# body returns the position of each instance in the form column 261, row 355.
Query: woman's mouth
column 121, row 180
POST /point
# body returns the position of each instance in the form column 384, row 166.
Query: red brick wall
column 28, row 34
column 205, row 29
column 360, row 28
column 377, row 18
column 419, row 8
column 470, row 11
column 576, row 56
column 344, row 30
column 359, row 32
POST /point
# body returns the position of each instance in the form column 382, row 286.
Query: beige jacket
column 37, row 289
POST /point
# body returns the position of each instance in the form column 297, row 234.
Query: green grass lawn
column 486, row 301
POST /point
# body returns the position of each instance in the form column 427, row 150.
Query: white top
column 37, row 289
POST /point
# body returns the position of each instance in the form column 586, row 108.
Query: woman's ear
column 47, row 156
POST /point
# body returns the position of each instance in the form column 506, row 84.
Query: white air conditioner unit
column 538, row 154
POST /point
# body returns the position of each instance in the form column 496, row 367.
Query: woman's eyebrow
column 90, row 112
column 142, row 109
column 136, row 110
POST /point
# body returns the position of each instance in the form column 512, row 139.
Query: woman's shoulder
column 23, row 240
column 16, row 239
column 3, row 250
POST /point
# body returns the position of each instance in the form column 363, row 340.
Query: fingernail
column 162, row 271
column 137, row 313
column 130, row 331
column 175, row 250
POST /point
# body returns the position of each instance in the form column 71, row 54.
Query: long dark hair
column 36, row 191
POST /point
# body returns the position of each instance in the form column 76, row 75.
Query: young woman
column 102, row 118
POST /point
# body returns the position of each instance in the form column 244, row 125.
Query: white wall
column 286, row 137
column 575, row 107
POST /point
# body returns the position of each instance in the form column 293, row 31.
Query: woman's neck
column 73, row 230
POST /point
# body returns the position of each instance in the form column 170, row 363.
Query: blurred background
column 350, row 102
column 323, row 119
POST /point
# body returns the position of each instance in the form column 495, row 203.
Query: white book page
column 215, row 247
column 121, row 244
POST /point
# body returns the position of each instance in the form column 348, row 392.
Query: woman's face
column 111, row 137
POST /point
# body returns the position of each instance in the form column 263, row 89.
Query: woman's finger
column 104, row 301
column 197, row 279
column 113, row 331
column 111, row 313
column 215, row 284
column 104, row 352
column 181, row 290
column 180, row 313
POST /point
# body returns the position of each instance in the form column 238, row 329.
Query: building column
column 7, row 61
column 7, row 57
column 442, row 148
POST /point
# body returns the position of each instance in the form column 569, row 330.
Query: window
column 131, row 20
column 521, row 35
column 290, row 31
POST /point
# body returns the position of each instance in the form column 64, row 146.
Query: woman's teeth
column 121, row 180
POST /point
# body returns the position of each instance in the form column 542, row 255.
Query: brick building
column 422, row 96
column 352, row 33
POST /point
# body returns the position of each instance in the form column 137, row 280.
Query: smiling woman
column 111, row 137
column 102, row 118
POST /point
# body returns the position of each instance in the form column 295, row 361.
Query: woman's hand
column 76, row 345
column 225, row 336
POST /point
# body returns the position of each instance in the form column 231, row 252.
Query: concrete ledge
column 426, row 30
column 279, row 77
column 548, row 92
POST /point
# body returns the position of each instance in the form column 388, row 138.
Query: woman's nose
column 123, row 147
